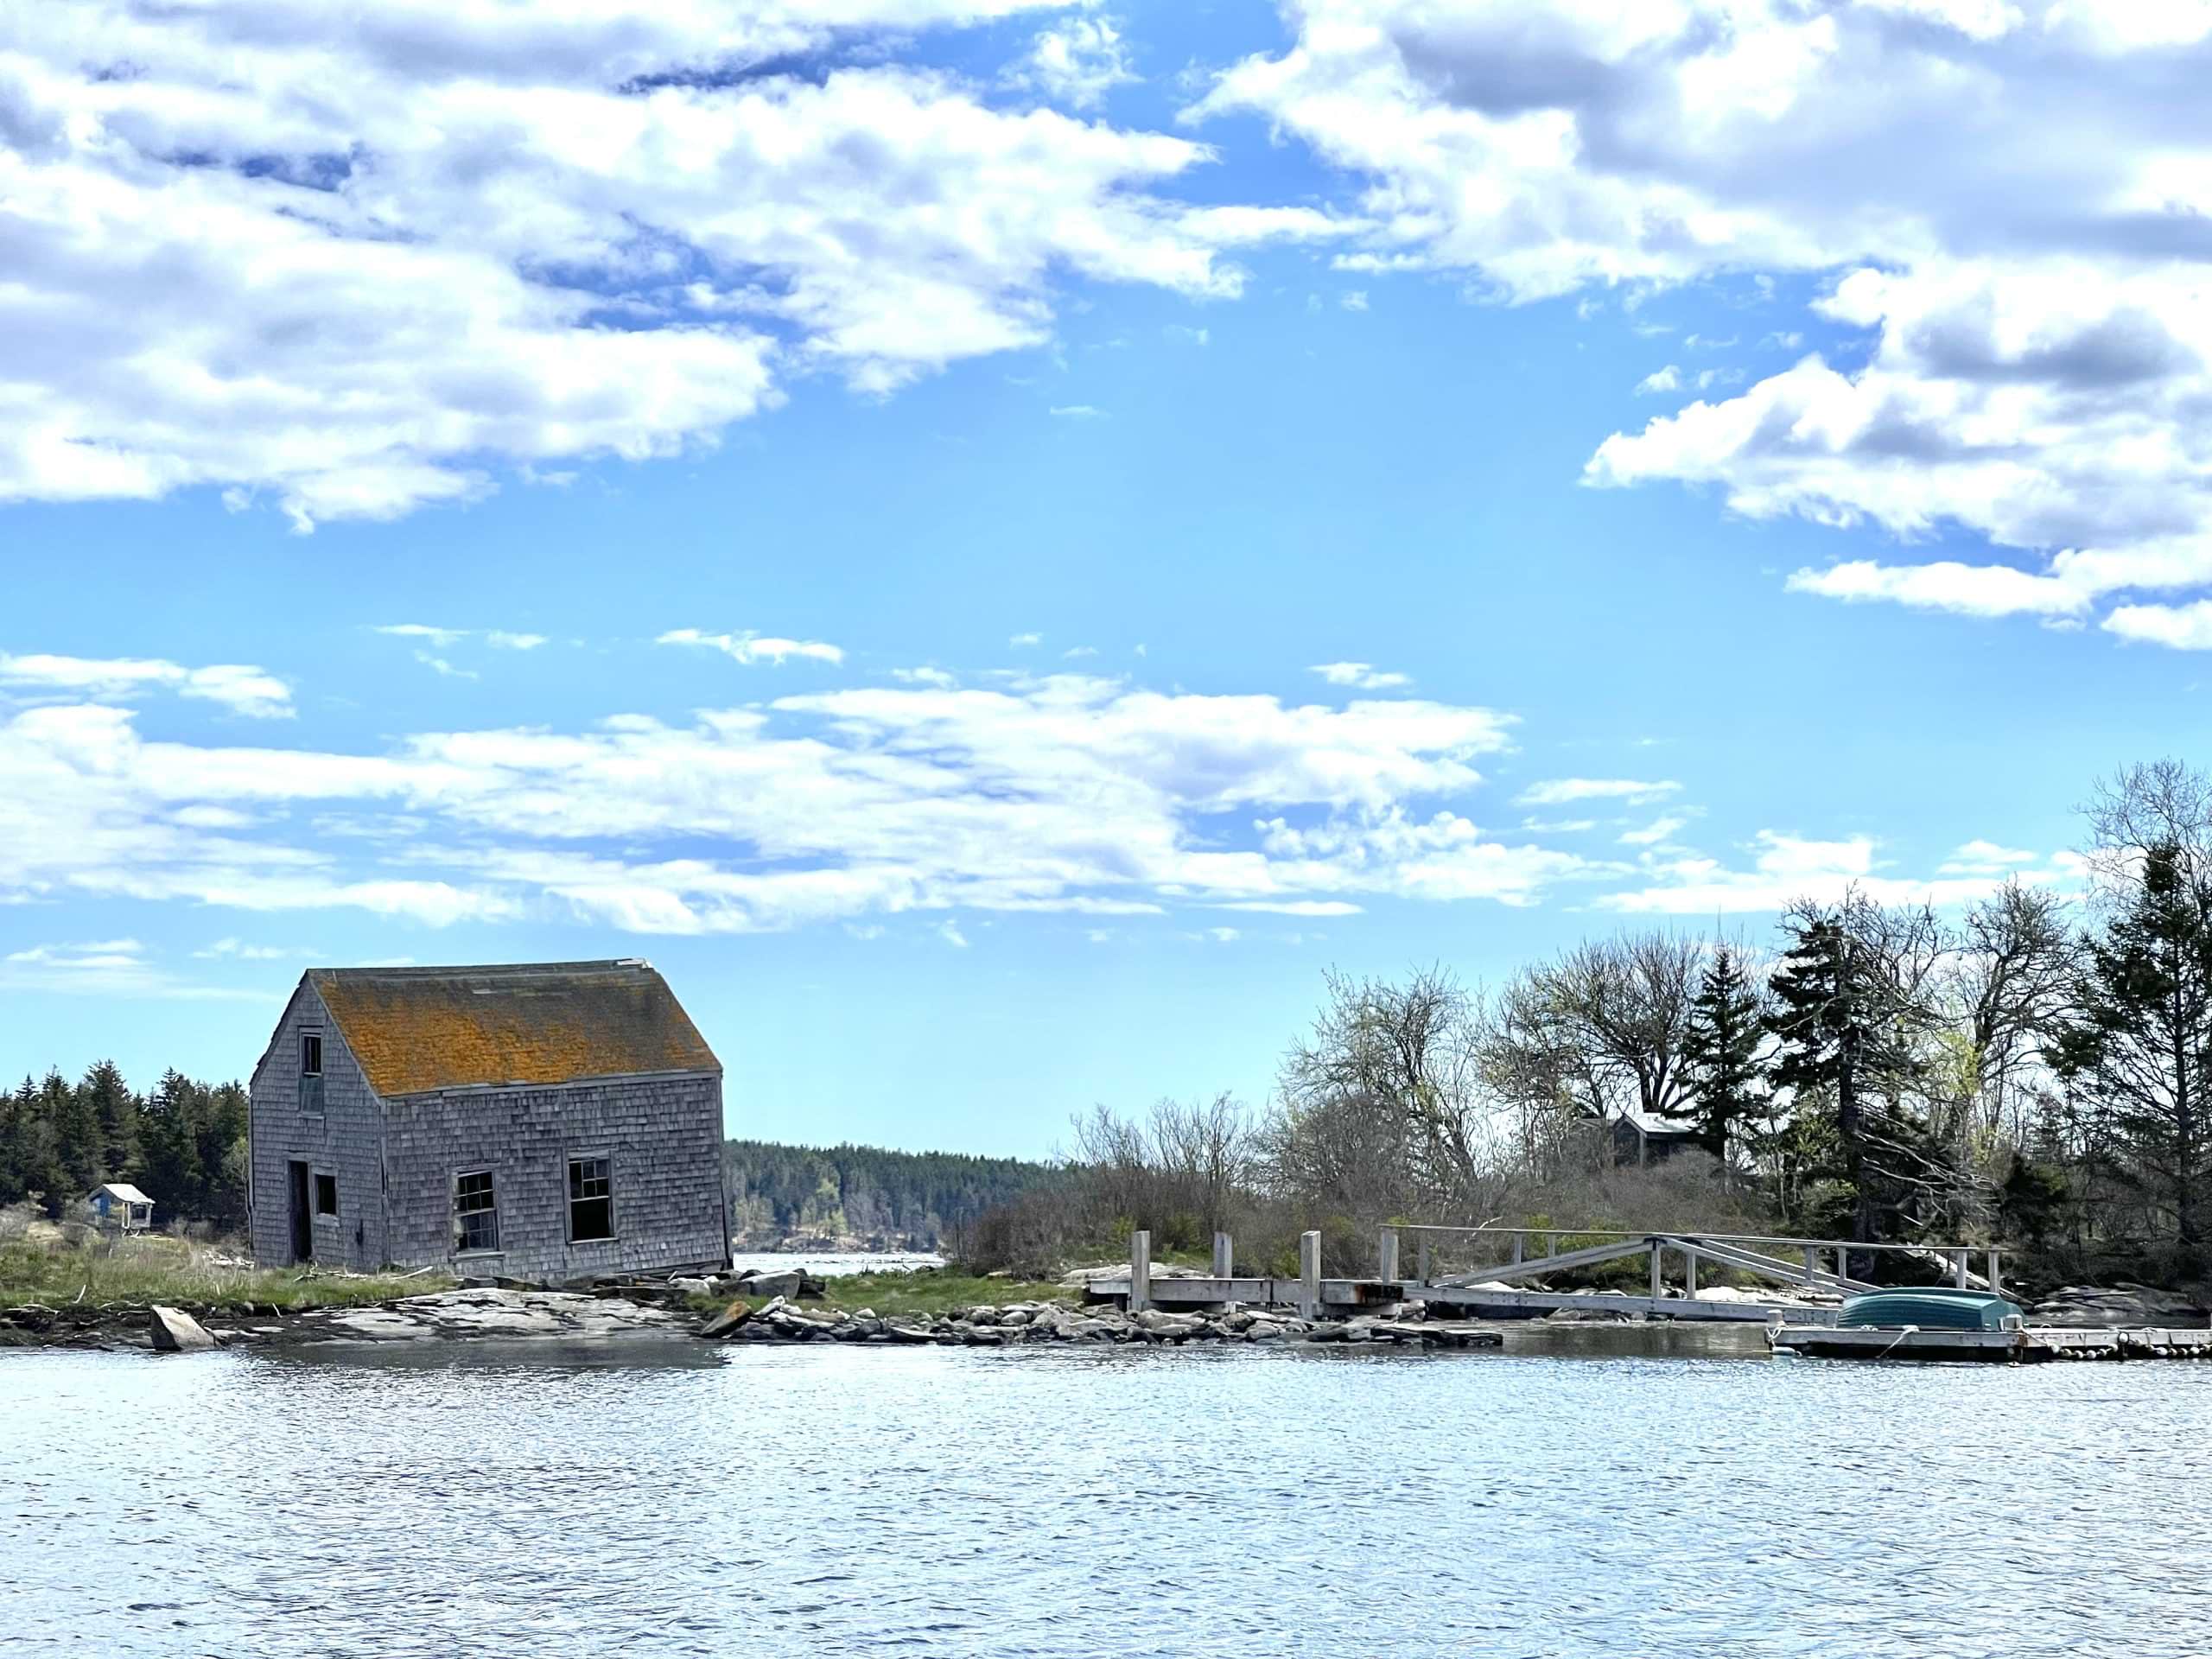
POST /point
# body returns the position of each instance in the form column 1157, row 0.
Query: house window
column 475, row 1217
column 591, row 1199
column 310, row 1070
column 326, row 1195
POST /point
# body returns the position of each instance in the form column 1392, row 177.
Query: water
column 834, row 1264
column 670, row 1498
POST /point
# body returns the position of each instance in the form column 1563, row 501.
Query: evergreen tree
column 1721, row 1053
column 15, row 1170
column 1847, row 1029
column 2135, row 1056
column 75, row 1128
column 116, row 1109
column 169, row 1148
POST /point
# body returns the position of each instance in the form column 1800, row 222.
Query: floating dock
column 2028, row 1345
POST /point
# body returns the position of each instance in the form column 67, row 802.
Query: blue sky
column 994, row 543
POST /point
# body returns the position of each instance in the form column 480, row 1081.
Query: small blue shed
column 121, row 1207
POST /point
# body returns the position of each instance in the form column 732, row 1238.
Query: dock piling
column 1424, row 1258
column 1386, row 1257
column 1224, row 1256
column 1309, row 1274
column 1139, row 1270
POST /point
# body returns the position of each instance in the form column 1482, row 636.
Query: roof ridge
column 482, row 970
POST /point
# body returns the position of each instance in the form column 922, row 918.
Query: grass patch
column 154, row 1269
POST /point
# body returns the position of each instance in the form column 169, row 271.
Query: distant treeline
column 184, row 1144
column 921, row 1200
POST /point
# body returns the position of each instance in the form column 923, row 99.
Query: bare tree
column 2016, row 965
column 1619, row 1008
column 1388, row 1083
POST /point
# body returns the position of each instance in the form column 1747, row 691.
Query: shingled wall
column 664, row 1135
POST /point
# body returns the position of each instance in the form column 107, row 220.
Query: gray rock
column 175, row 1331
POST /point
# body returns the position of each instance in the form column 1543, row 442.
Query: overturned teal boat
column 1921, row 1324
column 1931, row 1309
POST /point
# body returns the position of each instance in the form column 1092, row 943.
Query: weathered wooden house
column 117, row 1206
column 547, row 1120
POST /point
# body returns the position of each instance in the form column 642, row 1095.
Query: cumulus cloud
column 1660, row 380
column 350, row 259
column 2003, row 199
column 238, row 687
column 1077, row 62
column 1361, row 677
column 754, row 647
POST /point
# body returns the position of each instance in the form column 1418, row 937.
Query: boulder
column 727, row 1320
column 176, row 1332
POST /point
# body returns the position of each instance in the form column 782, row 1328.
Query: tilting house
column 547, row 1120
column 120, row 1207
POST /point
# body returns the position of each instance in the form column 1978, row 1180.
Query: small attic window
column 310, row 1053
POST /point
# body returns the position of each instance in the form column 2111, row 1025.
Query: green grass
column 169, row 1270
column 926, row 1293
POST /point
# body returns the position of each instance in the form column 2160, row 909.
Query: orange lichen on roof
column 416, row 1029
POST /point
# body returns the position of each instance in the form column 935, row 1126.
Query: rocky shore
column 1021, row 1323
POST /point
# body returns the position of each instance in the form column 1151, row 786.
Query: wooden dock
column 2027, row 1346
column 1814, row 1271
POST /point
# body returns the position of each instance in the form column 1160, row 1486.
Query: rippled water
column 672, row 1498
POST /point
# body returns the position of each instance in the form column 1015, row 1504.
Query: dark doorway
column 302, row 1222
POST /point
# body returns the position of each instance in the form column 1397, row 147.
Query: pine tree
column 169, row 1149
column 75, row 1128
column 117, row 1109
column 2135, row 1056
column 1720, row 1062
column 1847, row 1031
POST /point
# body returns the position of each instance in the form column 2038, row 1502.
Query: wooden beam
column 1386, row 1254
column 1506, row 1272
column 1309, row 1274
column 1224, row 1256
column 1139, row 1270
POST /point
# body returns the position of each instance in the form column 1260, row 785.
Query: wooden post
column 1424, row 1258
column 1689, row 1274
column 1520, row 1246
column 1309, row 1274
column 1224, row 1256
column 1962, row 1265
column 1386, row 1255
column 1657, row 1284
column 1811, row 1265
column 1139, row 1270
column 1996, row 1285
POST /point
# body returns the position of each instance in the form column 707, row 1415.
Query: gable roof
column 412, row 1030
column 123, row 1190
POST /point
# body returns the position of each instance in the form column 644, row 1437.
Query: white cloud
column 1785, row 868
column 754, row 648
column 1063, row 793
column 500, row 640
column 1362, row 677
column 2183, row 627
column 1077, row 62
column 1354, row 300
column 1660, row 380
column 350, row 259
column 239, row 951
column 240, row 688
column 1020, row 641
column 100, row 967
column 1074, row 653
column 1076, row 412
column 948, row 930
column 1658, row 830
column 930, row 676
column 1999, row 200
column 1560, row 792
column 1300, row 908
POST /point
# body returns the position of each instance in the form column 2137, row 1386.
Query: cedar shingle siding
column 431, row 1073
